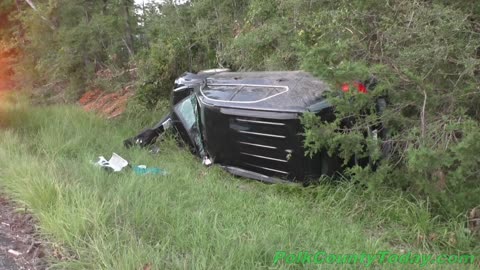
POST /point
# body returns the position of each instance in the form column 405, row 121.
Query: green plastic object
column 143, row 170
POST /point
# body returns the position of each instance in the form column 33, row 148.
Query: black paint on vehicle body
column 248, row 122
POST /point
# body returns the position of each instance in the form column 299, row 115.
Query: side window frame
column 193, row 132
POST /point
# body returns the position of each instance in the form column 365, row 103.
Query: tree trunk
column 104, row 7
column 128, row 27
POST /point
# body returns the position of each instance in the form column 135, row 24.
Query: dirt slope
column 110, row 105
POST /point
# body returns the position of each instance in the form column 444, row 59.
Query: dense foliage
column 426, row 57
column 424, row 54
column 68, row 41
column 7, row 48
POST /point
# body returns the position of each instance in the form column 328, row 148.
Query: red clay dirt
column 110, row 105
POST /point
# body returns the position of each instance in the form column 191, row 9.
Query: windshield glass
column 187, row 110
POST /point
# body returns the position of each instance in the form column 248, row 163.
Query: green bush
column 68, row 41
column 425, row 57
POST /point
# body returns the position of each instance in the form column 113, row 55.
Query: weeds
column 195, row 217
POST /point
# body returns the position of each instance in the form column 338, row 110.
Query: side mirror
column 150, row 135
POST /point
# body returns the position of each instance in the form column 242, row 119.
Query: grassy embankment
column 196, row 217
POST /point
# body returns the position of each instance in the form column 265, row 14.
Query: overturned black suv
column 248, row 122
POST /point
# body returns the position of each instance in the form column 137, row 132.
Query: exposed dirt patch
column 20, row 246
column 109, row 105
column 7, row 59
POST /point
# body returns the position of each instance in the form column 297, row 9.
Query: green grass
column 195, row 217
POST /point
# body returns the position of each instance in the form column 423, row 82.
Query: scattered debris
column 14, row 252
column 207, row 161
column 142, row 170
column 116, row 162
